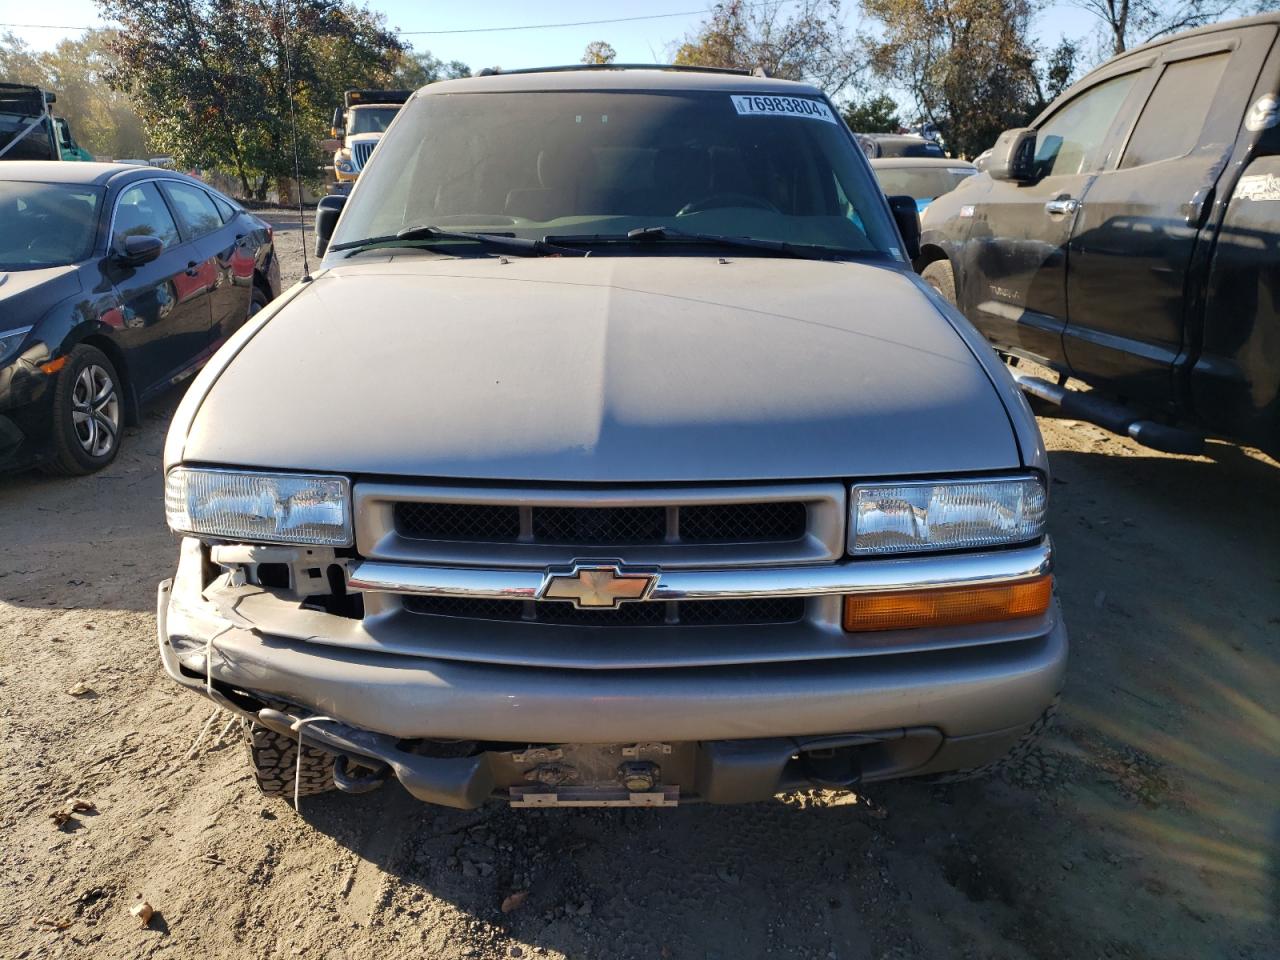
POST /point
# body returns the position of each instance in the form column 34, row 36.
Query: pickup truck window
column 538, row 164
column 1070, row 141
column 1175, row 113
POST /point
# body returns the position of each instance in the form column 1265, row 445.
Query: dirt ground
column 1146, row 827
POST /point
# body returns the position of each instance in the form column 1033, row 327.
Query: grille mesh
column 689, row 613
column 737, row 522
column 485, row 523
column 603, row 525
column 767, row 522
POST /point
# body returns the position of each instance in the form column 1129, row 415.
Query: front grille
column 718, row 523
column 599, row 525
column 688, row 613
column 486, row 523
column 360, row 153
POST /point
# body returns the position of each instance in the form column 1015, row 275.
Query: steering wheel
column 718, row 200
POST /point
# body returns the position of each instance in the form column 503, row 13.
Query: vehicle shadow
column 98, row 541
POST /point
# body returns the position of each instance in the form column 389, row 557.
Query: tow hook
column 366, row 781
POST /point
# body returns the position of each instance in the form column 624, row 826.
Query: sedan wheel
column 88, row 414
column 95, row 410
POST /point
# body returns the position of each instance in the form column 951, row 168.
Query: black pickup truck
column 1130, row 238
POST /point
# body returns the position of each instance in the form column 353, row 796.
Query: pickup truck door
column 1015, row 262
column 1132, row 279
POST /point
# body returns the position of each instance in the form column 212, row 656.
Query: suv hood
column 608, row 369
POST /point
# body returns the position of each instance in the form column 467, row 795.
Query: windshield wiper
column 430, row 232
column 802, row 251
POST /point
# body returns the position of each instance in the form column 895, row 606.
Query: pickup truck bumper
column 738, row 732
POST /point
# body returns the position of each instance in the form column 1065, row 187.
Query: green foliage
column 878, row 114
column 102, row 120
column 598, row 51
column 805, row 40
column 970, row 65
column 210, row 77
column 416, row 70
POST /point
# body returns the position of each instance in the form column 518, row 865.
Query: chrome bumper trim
column 860, row 576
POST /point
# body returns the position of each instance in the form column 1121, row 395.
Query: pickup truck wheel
column 1011, row 760
column 274, row 758
column 942, row 278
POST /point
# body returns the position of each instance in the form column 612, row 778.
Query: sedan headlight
column 913, row 517
column 10, row 340
column 260, row 507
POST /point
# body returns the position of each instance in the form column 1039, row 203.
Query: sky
column 461, row 31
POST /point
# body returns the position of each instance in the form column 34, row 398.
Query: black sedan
column 115, row 283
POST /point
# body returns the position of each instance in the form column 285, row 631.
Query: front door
column 1016, row 257
column 1128, row 279
column 164, row 304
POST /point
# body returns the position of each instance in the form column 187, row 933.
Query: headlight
column 10, row 340
column 945, row 515
column 263, row 507
column 346, row 166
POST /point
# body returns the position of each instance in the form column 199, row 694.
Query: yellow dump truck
column 358, row 125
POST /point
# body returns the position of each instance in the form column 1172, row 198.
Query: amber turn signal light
column 947, row 607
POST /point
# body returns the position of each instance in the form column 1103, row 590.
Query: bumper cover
column 961, row 691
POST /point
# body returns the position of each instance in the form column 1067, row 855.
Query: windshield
column 921, row 183
column 545, row 164
column 372, row 119
column 46, row 224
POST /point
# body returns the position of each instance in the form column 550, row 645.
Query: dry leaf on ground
column 515, row 901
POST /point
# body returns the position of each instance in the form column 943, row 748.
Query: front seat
column 567, row 176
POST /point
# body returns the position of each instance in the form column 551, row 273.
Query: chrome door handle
column 1062, row 205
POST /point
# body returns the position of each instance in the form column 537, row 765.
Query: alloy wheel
column 95, row 411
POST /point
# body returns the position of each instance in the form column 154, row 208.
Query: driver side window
column 1071, row 140
column 141, row 212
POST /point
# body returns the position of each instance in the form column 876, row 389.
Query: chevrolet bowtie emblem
column 597, row 586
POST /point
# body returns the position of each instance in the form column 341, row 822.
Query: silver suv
column 613, row 456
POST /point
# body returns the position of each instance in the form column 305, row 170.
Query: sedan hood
column 26, row 295
column 608, row 369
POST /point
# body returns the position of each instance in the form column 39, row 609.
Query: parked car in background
column 26, row 127
column 924, row 179
column 613, row 456
column 876, row 145
column 67, row 146
column 115, row 283
column 1131, row 238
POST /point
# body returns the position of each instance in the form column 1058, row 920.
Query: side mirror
column 137, row 250
column 1014, row 156
column 907, row 216
column 327, row 212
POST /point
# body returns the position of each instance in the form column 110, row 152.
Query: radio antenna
column 293, row 125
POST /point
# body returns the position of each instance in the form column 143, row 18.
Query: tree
column 969, row 65
column 598, row 51
column 1127, row 23
column 418, row 69
column 211, row 77
column 103, row 120
column 878, row 114
column 805, row 40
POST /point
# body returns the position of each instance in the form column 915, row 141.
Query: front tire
column 274, row 758
column 88, row 414
column 942, row 278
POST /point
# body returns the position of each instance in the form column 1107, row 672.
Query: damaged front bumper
column 456, row 732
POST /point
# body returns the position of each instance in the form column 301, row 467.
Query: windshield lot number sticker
column 782, row 107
